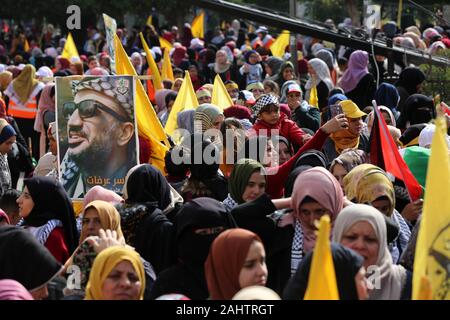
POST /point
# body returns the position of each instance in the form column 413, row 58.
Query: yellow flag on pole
column 167, row 71
column 165, row 44
column 278, row 48
column 70, row 49
column 157, row 83
column 149, row 20
column 432, row 257
column 220, row 96
column 26, row 46
column 148, row 124
column 198, row 26
column 186, row 99
column 322, row 284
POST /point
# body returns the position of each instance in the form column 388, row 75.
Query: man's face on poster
column 94, row 130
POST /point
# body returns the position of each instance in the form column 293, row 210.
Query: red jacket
column 276, row 176
column 287, row 128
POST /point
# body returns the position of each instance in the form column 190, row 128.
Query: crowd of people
column 240, row 229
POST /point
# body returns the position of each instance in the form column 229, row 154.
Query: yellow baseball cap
column 351, row 110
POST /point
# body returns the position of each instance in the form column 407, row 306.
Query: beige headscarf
column 392, row 277
column 5, row 79
column 109, row 217
column 25, row 83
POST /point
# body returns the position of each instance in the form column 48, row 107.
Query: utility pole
column 293, row 37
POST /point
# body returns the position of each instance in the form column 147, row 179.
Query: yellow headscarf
column 5, row 79
column 366, row 183
column 344, row 139
column 25, row 83
column 109, row 217
column 352, row 178
column 105, row 262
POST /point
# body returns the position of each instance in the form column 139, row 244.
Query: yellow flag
column 278, row 48
column 198, row 29
column 322, row 283
column 165, row 44
column 220, row 96
column 149, row 20
column 157, row 83
column 313, row 98
column 167, row 71
column 26, row 46
column 186, row 99
column 433, row 242
column 148, row 124
column 70, row 49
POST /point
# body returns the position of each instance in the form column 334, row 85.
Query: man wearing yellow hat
column 352, row 137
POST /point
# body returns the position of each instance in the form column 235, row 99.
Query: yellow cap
column 351, row 110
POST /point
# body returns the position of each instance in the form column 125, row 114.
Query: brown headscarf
column 225, row 260
column 25, row 83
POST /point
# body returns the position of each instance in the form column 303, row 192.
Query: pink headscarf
column 160, row 97
column 357, row 68
column 100, row 193
column 5, row 216
column 46, row 103
column 319, row 184
column 13, row 290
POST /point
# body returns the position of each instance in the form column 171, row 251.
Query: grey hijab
column 391, row 277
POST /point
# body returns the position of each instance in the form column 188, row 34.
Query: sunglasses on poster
column 88, row 109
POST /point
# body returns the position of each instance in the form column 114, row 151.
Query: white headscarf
column 322, row 74
column 392, row 277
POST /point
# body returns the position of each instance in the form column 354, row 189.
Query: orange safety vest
column 28, row 110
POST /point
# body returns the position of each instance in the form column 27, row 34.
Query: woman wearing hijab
column 321, row 79
column 277, row 175
column 98, row 215
column 334, row 99
column 358, row 84
column 417, row 109
column 223, row 66
column 160, row 98
column 205, row 180
column 362, row 228
column 185, row 120
column 328, row 57
column 246, row 183
column 22, row 93
column 197, row 224
column 345, row 162
column 48, row 214
column 349, row 270
column 409, row 82
column 352, row 137
column 45, row 115
column 272, row 67
column 316, row 192
column 236, row 260
column 150, row 204
column 286, row 73
column 7, row 139
column 20, row 253
column 13, row 290
column 387, row 114
column 371, row 185
column 387, row 95
column 117, row 274
column 207, row 116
